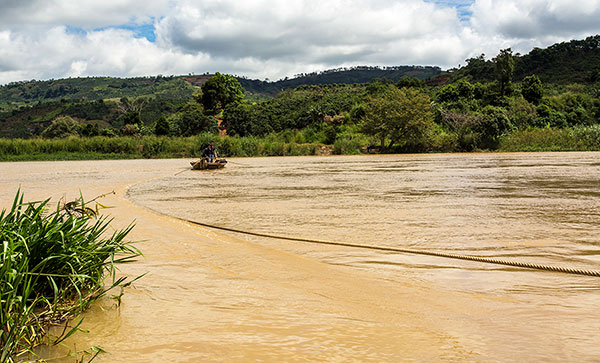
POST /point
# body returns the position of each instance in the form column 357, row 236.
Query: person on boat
column 210, row 153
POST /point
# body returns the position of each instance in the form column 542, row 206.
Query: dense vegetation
column 485, row 105
column 577, row 61
column 53, row 264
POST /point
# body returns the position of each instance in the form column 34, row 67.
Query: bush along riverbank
column 345, row 141
column 580, row 138
column 53, row 264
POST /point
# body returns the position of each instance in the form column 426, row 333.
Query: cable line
column 492, row 260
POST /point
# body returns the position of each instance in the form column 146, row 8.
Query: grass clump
column 53, row 265
column 578, row 138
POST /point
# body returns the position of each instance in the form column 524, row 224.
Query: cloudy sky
column 42, row 39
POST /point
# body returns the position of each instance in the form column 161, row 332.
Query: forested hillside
column 577, row 61
column 17, row 94
column 548, row 92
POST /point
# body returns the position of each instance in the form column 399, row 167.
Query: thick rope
column 535, row 266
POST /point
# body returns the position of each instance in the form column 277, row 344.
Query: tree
column 219, row 91
column 408, row 82
column 132, row 110
column 62, row 127
column 162, row 127
column 400, row 116
column 378, row 86
column 532, row 90
column 465, row 89
column 492, row 125
column 132, row 118
column 238, row 120
column 505, row 66
column 191, row 120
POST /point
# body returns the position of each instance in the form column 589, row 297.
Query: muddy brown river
column 213, row 296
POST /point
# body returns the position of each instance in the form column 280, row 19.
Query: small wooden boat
column 203, row 164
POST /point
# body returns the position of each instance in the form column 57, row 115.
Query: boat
column 204, row 164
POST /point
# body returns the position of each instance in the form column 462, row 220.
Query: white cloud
column 530, row 19
column 262, row 38
column 87, row 14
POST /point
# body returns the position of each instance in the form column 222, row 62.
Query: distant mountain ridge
column 346, row 75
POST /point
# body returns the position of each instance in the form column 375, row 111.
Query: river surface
column 542, row 207
column 213, row 296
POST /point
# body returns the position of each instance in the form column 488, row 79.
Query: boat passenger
column 210, row 153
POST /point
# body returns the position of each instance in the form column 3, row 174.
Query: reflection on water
column 529, row 207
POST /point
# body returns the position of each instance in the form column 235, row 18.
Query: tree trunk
column 392, row 142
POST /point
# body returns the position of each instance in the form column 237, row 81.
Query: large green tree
column 532, row 90
column 162, row 127
column 219, row 91
column 191, row 120
column 397, row 116
column 493, row 123
column 505, row 67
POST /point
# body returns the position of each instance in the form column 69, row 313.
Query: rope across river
column 521, row 264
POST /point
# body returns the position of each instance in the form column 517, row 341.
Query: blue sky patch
column 138, row 30
column 462, row 7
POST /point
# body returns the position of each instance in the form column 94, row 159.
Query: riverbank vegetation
column 509, row 102
column 54, row 263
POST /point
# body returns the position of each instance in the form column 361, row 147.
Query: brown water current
column 211, row 296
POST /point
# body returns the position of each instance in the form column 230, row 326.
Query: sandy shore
column 208, row 296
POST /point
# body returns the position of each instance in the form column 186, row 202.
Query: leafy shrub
column 62, row 127
column 494, row 123
column 521, row 113
column 109, row 132
column 130, row 130
column 162, row 127
column 330, row 134
column 531, row 89
column 90, row 130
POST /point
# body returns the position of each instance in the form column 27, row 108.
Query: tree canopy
column 219, row 91
column 505, row 67
column 532, row 90
column 399, row 116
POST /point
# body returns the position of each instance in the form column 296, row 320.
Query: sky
column 271, row 39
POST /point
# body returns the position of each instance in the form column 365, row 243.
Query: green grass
column 53, row 264
column 96, row 148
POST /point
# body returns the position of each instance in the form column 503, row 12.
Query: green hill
column 577, row 61
column 17, row 94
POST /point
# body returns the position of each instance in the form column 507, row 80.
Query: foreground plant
column 52, row 267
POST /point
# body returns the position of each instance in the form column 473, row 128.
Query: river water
column 210, row 296
column 536, row 207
